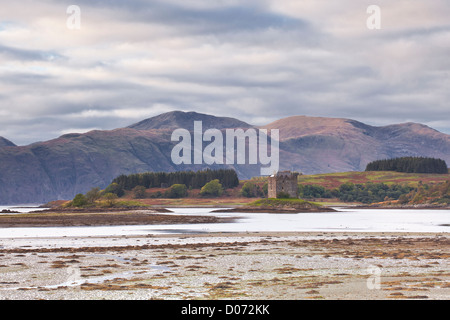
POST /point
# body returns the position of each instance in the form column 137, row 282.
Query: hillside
column 70, row 164
column 334, row 180
column 388, row 188
column 74, row 163
column 6, row 143
column 323, row 145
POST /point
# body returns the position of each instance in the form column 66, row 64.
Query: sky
column 114, row 63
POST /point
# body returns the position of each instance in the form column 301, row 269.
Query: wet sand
column 238, row 266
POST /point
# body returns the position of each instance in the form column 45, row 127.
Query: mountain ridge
column 180, row 119
column 74, row 163
column 6, row 143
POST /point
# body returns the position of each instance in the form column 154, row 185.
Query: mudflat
column 102, row 218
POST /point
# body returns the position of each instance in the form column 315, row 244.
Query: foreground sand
column 228, row 266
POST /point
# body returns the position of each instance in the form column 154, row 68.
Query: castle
column 283, row 181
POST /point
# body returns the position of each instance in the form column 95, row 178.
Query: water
column 351, row 220
column 23, row 208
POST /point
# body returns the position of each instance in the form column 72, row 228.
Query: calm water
column 355, row 220
column 22, row 208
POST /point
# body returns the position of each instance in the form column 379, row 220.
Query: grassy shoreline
column 280, row 206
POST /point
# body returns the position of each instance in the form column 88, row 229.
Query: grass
column 334, row 180
column 281, row 202
column 272, row 201
column 118, row 203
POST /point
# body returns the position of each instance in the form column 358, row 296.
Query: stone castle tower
column 283, row 181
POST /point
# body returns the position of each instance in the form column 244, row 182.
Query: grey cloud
column 29, row 55
column 307, row 71
column 211, row 20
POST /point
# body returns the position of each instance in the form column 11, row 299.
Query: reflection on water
column 356, row 220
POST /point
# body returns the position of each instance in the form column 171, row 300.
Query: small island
column 273, row 205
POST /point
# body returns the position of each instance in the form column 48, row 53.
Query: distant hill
column 6, row 143
column 74, row 163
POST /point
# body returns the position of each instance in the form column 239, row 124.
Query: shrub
column 110, row 199
column 93, row 195
column 177, row 191
column 251, row 190
column 212, row 188
column 157, row 194
column 139, row 192
column 79, row 200
column 283, row 195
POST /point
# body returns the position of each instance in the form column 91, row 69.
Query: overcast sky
column 256, row 60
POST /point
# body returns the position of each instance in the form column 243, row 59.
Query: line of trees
column 409, row 165
column 372, row 192
column 191, row 179
column 349, row 192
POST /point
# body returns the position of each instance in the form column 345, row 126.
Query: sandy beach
column 238, row 266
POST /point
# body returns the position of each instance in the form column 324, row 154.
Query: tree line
column 191, row 179
column 409, row 165
column 350, row 192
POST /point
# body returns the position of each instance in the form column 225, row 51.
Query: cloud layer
column 257, row 60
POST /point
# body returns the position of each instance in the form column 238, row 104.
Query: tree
column 177, row 191
column 410, row 165
column 79, row 200
column 265, row 189
column 191, row 179
column 212, row 188
column 249, row 190
column 93, row 195
column 138, row 192
column 110, row 199
column 115, row 188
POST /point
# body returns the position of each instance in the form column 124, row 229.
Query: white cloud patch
column 254, row 60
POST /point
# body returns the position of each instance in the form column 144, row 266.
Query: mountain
column 179, row 119
column 6, row 143
column 74, row 163
column 320, row 145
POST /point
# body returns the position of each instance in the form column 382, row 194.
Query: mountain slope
column 337, row 145
column 74, row 163
column 6, row 143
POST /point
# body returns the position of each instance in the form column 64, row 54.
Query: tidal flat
column 238, row 266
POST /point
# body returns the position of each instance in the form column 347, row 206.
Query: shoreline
column 239, row 266
column 88, row 218
column 99, row 217
column 413, row 207
column 273, row 210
